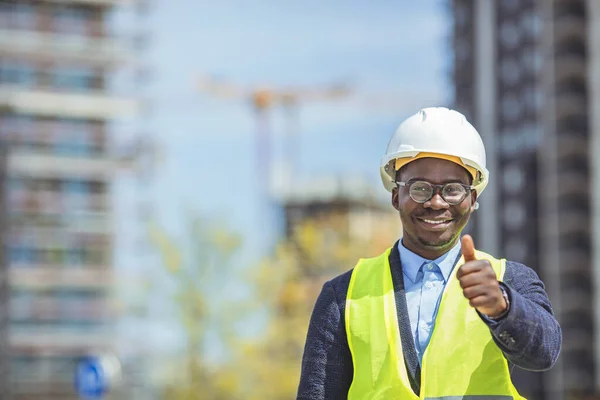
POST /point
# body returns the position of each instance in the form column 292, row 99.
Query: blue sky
column 392, row 49
column 398, row 50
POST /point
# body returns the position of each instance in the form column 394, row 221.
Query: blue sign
column 90, row 378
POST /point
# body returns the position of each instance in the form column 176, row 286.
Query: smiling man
column 432, row 317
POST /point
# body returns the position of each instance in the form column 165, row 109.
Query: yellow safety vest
column 461, row 361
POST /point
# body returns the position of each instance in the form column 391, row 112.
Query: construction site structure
column 364, row 215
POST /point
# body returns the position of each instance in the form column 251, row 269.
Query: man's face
column 431, row 240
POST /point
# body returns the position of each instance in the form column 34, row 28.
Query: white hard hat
column 436, row 132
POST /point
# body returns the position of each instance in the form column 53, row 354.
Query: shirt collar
column 411, row 262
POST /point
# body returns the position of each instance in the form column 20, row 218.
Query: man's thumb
column 468, row 248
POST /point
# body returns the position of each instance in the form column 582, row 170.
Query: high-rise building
column 526, row 72
column 56, row 63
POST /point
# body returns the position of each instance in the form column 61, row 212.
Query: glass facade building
column 525, row 72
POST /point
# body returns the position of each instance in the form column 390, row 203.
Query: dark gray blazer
column 528, row 335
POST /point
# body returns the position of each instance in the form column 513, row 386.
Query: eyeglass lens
column 452, row 193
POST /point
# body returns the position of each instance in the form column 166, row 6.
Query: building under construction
column 340, row 207
column 56, row 60
column 527, row 73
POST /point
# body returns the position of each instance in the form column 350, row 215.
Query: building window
column 531, row 134
column 83, row 132
column 509, row 34
column 35, row 368
column 538, row 60
column 74, row 138
column 24, row 16
column 5, row 13
column 17, row 73
column 74, row 256
column 462, row 14
column 75, row 187
column 511, row 107
column 521, row 139
column 14, row 128
column 513, row 179
column 98, row 187
column 574, row 85
column 571, row 47
column 532, row 60
column 21, row 248
column 98, row 139
column 72, row 20
column 509, row 143
column 59, row 136
column 78, row 255
column 514, row 215
column 516, row 249
column 462, row 50
column 80, row 79
column 510, row 71
column 528, row 95
column 18, row 254
column 509, row 5
column 573, row 123
column 20, row 303
column 18, row 15
column 531, row 24
column 56, row 196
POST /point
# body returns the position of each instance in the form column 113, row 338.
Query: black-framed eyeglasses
column 422, row 191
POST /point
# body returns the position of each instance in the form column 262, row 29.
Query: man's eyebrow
column 451, row 180
column 416, row 179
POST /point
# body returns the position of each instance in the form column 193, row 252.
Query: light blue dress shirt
column 424, row 282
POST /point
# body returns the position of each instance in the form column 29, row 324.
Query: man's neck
column 428, row 253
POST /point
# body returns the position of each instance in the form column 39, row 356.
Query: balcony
column 55, row 277
column 63, row 341
column 103, row 3
column 95, row 51
column 56, row 387
column 53, row 310
column 91, row 105
column 53, row 208
column 51, row 166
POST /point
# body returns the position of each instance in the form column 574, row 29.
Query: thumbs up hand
column 479, row 283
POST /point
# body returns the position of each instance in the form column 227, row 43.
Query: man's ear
column 395, row 198
column 474, row 205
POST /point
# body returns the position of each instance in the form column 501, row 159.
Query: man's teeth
column 430, row 221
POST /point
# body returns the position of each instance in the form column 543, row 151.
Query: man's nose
column 437, row 202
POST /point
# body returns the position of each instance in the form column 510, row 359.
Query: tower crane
column 262, row 100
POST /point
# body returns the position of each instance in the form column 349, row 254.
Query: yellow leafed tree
column 288, row 284
column 199, row 268
column 284, row 287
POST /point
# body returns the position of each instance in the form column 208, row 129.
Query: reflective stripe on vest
column 462, row 361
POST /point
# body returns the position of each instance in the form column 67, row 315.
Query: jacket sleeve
column 327, row 363
column 529, row 335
